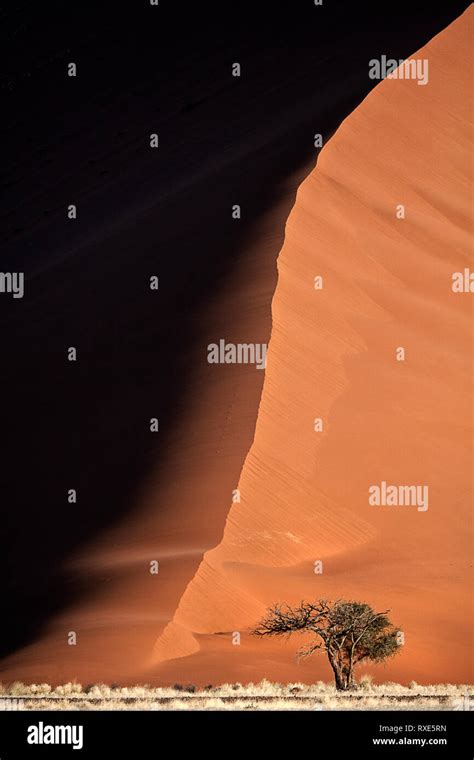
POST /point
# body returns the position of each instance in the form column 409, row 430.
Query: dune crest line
column 367, row 348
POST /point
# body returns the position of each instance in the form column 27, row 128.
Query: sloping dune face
column 368, row 383
column 128, row 601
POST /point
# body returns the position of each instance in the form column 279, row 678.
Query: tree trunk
column 338, row 674
column 343, row 676
column 351, row 682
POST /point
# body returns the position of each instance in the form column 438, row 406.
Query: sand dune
column 181, row 506
column 304, row 493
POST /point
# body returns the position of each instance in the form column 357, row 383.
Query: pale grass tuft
column 264, row 695
column 366, row 681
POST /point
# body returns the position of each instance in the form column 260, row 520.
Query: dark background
column 332, row 733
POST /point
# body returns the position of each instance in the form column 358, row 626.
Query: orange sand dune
column 182, row 508
column 387, row 283
column 304, row 494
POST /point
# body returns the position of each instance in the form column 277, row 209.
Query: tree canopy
column 349, row 632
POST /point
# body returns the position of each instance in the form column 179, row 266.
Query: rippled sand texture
column 304, row 493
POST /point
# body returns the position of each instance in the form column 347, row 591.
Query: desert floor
column 262, row 696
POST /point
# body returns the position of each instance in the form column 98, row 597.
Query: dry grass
column 261, row 696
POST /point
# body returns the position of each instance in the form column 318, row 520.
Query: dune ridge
column 332, row 355
column 166, row 498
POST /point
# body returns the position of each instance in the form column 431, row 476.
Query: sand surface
column 304, row 493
